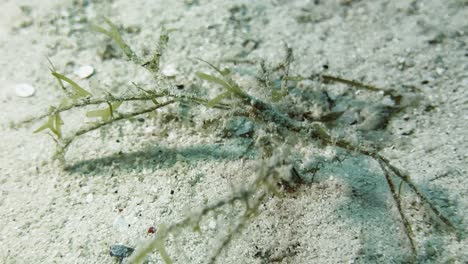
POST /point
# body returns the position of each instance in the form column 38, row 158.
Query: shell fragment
column 24, row 90
column 84, row 71
column 170, row 70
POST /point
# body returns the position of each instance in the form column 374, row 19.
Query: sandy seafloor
column 158, row 168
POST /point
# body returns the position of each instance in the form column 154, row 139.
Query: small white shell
column 89, row 198
column 84, row 71
column 24, row 90
column 170, row 70
column 120, row 224
column 212, row 224
column 387, row 101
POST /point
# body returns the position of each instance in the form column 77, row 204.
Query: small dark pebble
column 120, row 251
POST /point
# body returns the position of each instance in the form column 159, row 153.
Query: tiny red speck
column 151, row 230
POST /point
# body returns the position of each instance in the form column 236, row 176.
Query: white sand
column 347, row 215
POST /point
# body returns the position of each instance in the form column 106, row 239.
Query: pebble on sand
column 170, row 70
column 24, row 90
column 84, row 71
column 120, row 251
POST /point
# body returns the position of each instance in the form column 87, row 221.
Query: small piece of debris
column 387, row 101
column 170, row 70
column 440, row 71
column 24, row 90
column 120, row 224
column 120, row 251
column 241, row 127
column 151, row 230
column 212, row 225
column 89, row 198
column 84, row 72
